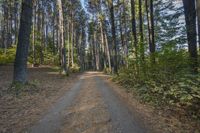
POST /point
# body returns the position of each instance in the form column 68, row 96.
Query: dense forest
column 150, row 47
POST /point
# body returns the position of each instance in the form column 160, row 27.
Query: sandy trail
column 89, row 107
column 51, row 122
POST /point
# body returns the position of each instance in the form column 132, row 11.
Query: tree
column 61, row 38
column 152, row 44
column 114, row 42
column 141, row 30
column 133, row 22
column 198, row 17
column 190, row 18
column 20, row 65
column 33, row 34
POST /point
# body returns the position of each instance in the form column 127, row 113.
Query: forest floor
column 81, row 103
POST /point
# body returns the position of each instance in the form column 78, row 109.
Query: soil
column 17, row 113
column 88, row 114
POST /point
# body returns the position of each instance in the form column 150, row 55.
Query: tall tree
column 61, row 37
column 190, row 18
column 114, row 42
column 33, row 34
column 148, row 22
column 198, row 17
column 150, row 25
column 20, row 66
column 141, row 30
column 16, row 5
column 152, row 46
column 133, row 22
column 108, row 52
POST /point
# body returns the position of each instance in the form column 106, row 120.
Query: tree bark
column 198, row 17
column 16, row 20
column 68, row 57
column 152, row 47
column 61, row 38
column 72, row 43
column 114, row 42
column 20, row 65
column 141, row 31
column 150, row 25
column 133, row 23
column 33, row 35
column 190, row 18
column 96, row 51
column 125, row 31
column 108, row 52
column 103, row 43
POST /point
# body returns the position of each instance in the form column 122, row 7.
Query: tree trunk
column 150, row 25
column 53, row 39
column 9, row 24
column 103, row 44
column 68, row 57
column 121, row 34
column 61, row 38
column 141, row 31
column 96, row 51
column 108, row 53
column 198, row 17
column 190, row 18
column 16, row 20
column 114, row 42
column 134, row 23
column 20, row 66
column 33, row 35
column 152, row 46
column 72, row 45
column 125, row 32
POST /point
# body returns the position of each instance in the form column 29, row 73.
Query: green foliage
column 44, row 56
column 107, row 70
column 75, row 68
column 51, row 59
column 8, row 56
column 168, row 82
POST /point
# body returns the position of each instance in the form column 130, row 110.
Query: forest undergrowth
column 166, row 84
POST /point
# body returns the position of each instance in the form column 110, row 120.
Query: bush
column 46, row 55
column 75, row 68
column 8, row 56
column 168, row 82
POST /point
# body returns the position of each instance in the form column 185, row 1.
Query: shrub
column 168, row 82
column 75, row 68
column 8, row 56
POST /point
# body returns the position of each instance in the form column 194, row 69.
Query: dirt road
column 81, row 103
column 90, row 106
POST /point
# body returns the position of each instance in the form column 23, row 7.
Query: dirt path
column 20, row 112
column 122, row 119
column 89, row 107
column 81, row 103
column 51, row 121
